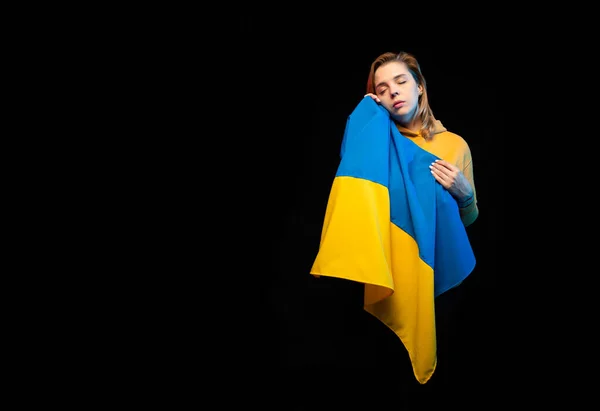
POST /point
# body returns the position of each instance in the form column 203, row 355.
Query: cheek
column 387, row 103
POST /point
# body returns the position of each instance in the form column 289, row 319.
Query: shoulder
column 453, row 139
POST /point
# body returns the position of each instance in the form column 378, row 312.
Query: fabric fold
column 389, row 225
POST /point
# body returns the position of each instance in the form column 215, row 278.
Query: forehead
column 389, row 71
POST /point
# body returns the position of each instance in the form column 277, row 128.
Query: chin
column 397, row 117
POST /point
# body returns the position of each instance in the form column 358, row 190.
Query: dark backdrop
column 321, row 327
column 255, row 130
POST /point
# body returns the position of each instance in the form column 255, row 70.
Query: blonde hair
column 424, row 110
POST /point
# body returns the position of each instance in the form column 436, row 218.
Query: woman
column 396, row 82
column 388, row 224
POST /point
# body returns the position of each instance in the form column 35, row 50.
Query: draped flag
column 390, row 225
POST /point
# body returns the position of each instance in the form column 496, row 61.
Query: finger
column 441, row 177
column 373, row 96
column 440, row 168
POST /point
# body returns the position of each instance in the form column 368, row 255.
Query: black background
column 317, row 329
column 252, row 139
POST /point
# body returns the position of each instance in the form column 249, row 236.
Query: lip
column 399, row 104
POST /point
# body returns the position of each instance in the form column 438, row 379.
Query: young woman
column 396, row 82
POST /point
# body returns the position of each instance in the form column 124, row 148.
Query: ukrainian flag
column 390, row 225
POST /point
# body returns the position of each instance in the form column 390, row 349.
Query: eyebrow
column 395, row 78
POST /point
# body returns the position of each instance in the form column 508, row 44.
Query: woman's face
column 398, row 91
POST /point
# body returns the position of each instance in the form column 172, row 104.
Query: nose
column 395, row 93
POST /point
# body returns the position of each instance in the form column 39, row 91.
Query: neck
column 413, row 125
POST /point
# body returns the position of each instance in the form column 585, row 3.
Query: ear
column 420, row 89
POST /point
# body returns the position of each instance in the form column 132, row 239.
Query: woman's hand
column 373, row 96
column 453, row 180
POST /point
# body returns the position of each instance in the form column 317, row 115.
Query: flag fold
column 390, row 225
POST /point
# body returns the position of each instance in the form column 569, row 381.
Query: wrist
column 466, row 201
